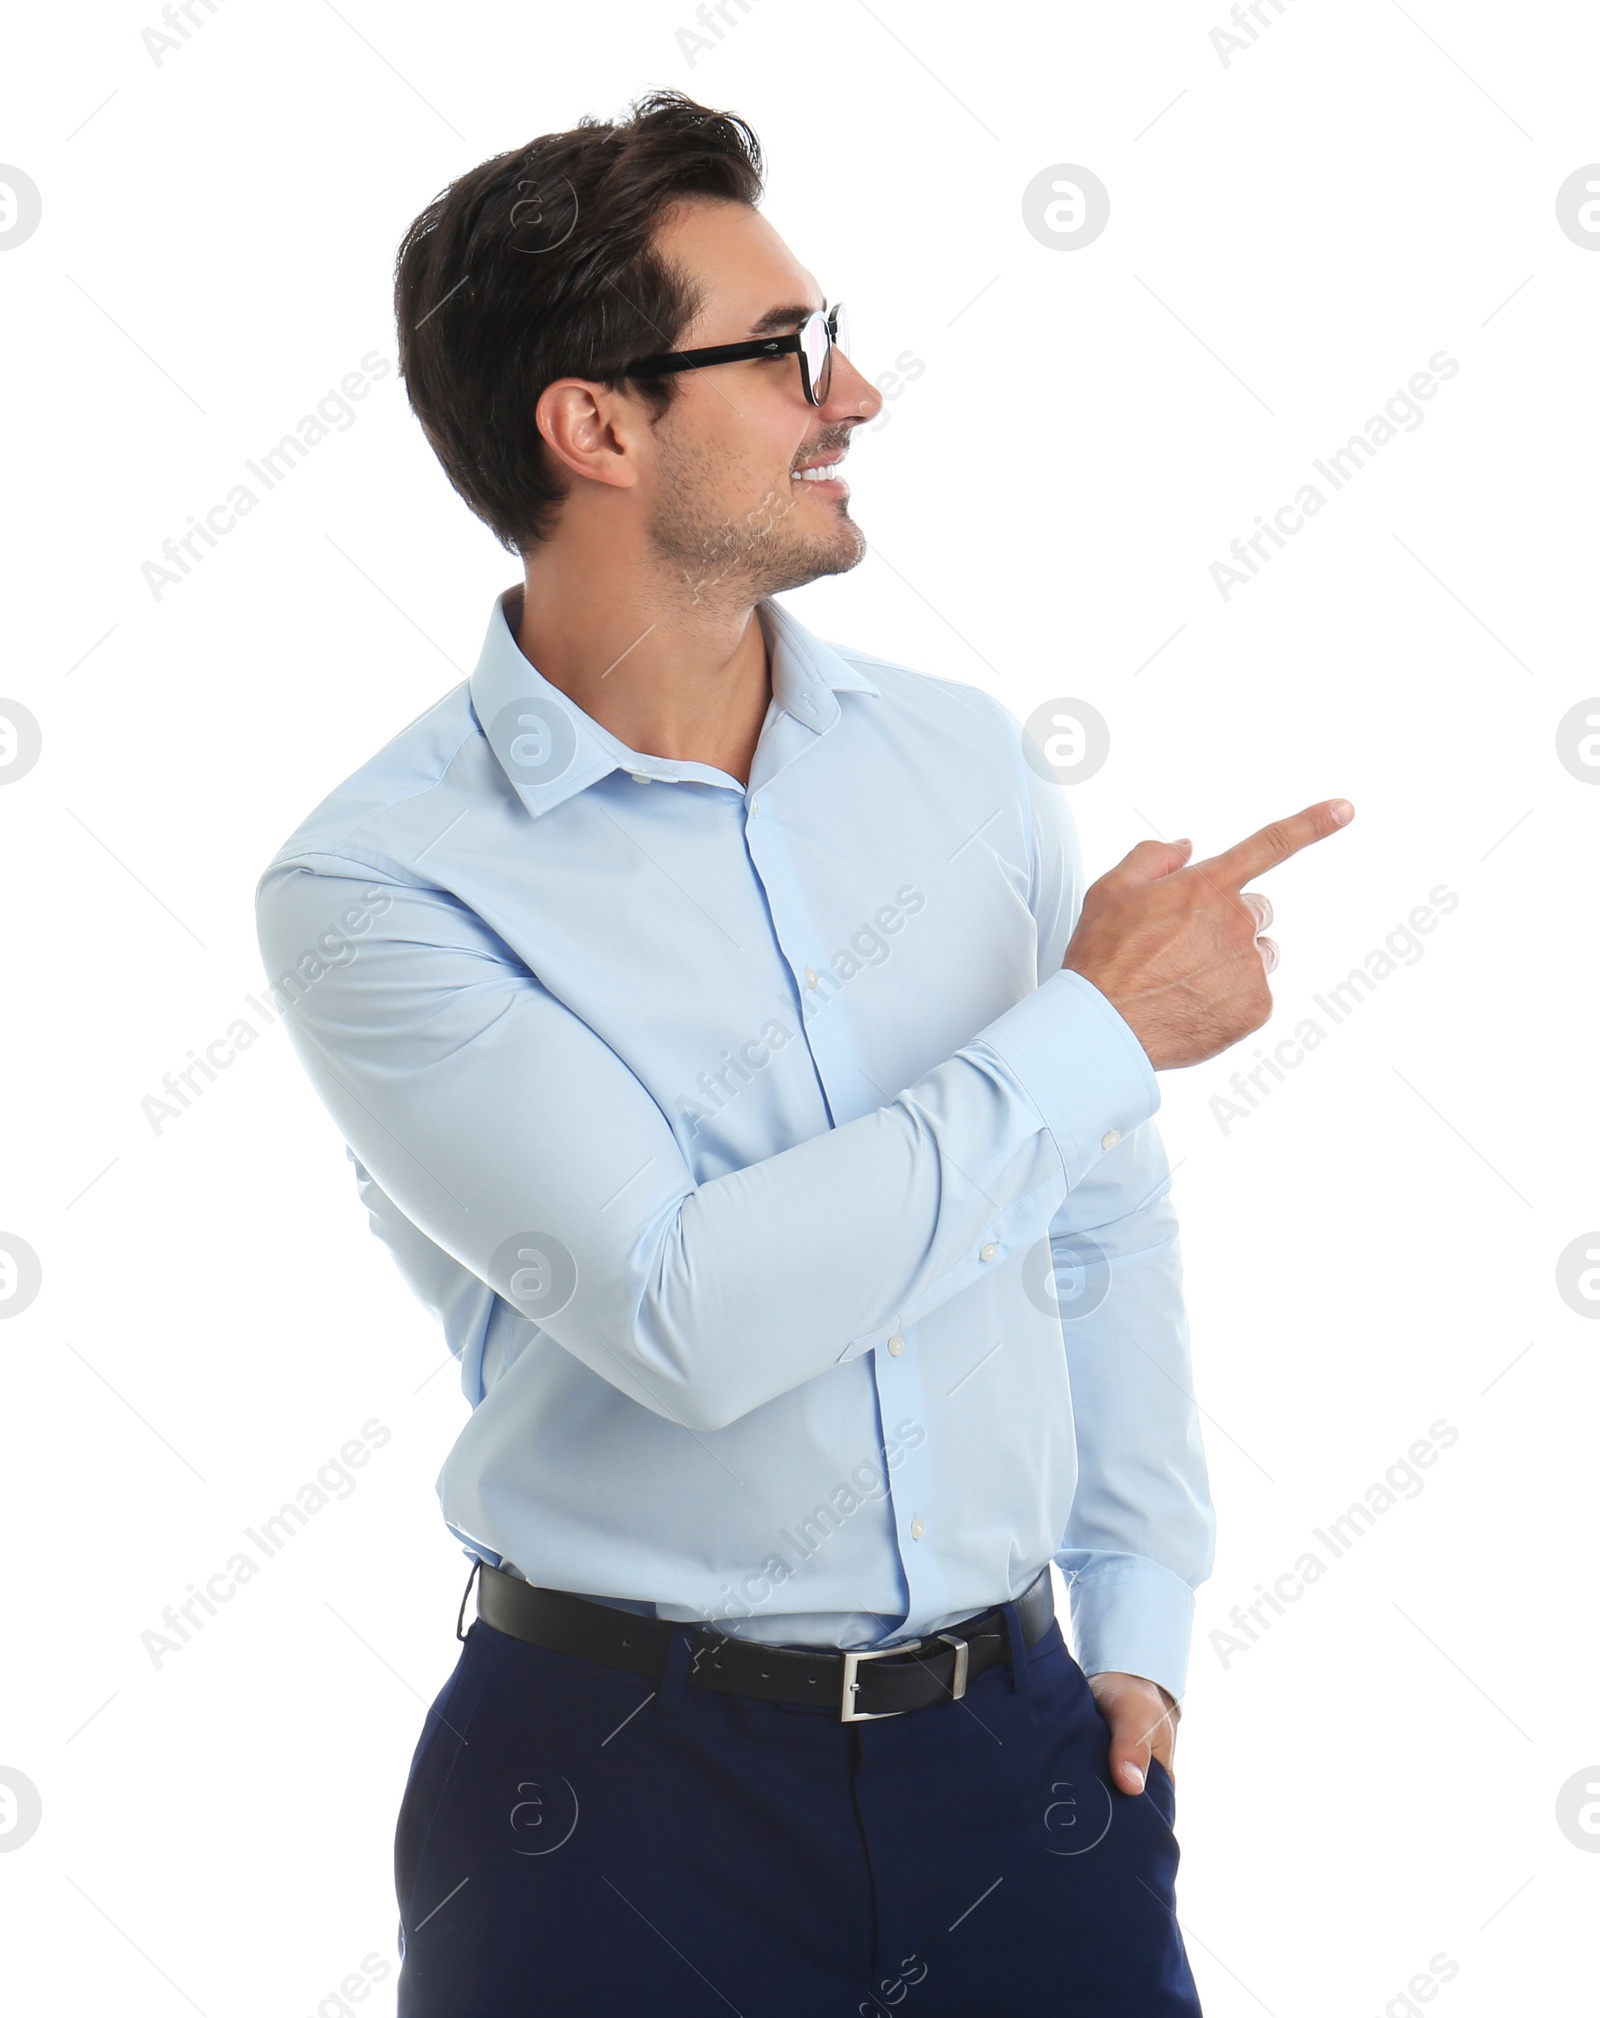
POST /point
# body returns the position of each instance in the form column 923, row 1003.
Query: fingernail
column 1184, row 843
column 1132, row 1775
column 1342, row 810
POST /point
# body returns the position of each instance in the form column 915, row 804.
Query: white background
column 1293, row 234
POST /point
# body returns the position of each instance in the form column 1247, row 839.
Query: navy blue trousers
column 572, row 1841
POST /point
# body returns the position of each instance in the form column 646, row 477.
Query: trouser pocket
column 439, row 1751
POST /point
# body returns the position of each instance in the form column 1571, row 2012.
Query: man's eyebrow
column 776, row 320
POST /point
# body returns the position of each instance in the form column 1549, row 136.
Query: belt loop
column 674, row 1669
column 1019, row 1648
column 477, row 1565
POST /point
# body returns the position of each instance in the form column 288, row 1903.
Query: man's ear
column 591, row 430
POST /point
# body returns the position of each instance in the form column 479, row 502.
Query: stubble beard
column 736, row 560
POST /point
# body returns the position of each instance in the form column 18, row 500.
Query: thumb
column 1151, row 860
column 1129, row 1750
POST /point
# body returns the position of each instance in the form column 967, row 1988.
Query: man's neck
column 668, row 674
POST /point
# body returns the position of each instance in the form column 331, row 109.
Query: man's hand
column 1143, row 1720
column 1176, row 951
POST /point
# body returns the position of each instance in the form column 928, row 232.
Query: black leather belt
column 878, row 1683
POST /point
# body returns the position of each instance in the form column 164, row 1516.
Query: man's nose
column 849, row 393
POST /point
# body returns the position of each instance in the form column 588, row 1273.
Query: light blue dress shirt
column 799, row 1222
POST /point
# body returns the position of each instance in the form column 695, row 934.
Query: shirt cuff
column 1131, row 1615
column 1080, row 1063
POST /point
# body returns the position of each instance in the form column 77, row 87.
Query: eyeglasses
column 814, row 342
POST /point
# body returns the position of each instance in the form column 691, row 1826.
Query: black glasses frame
column 816, row 390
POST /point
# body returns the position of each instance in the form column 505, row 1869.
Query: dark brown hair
column 538, row 265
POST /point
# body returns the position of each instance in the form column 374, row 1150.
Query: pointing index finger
column 1276, row 842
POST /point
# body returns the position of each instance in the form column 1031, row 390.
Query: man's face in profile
column 728, row 503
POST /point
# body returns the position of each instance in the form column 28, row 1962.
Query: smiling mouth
column 828, row 474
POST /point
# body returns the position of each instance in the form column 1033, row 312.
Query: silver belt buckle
column 849, row 1714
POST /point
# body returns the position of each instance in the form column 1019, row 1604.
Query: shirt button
column 754, row 802
column 1111, row 1138
column 916, row 1529
column 811, row 977
column 988, row 1253
column 897, row 1345
column 640, row 777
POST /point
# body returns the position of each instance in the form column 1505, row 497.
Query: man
column 731, row 1058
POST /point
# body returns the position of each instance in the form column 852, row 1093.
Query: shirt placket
column 903, row 1404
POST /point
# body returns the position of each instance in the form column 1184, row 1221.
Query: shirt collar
column 551, row 749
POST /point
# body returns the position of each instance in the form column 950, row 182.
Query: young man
column 732, row 1059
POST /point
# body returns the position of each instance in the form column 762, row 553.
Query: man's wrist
column 1173, row 1706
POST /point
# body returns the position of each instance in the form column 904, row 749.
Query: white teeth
column 826, row 474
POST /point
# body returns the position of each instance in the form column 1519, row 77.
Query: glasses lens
column 838, row 331
column 817, row 350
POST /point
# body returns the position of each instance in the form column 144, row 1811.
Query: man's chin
column 810, row 561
